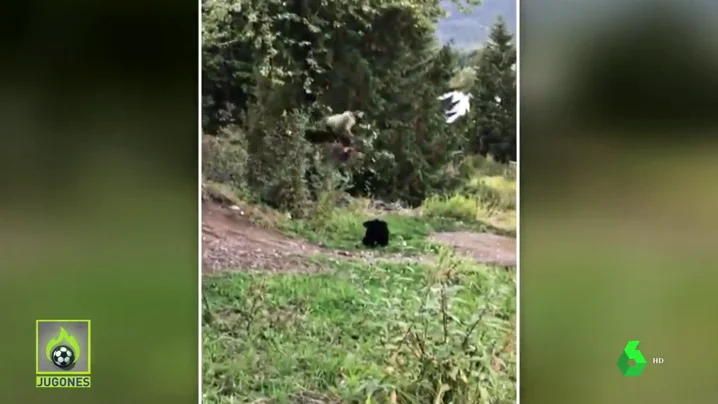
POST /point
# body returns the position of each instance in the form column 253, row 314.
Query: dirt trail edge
column 486, row 248
column 232, row 241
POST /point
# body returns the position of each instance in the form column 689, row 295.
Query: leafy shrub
column 488, row 187
column 459, row 207
column 494, row 193
column 449, row 343
column 224, row 157
column 278, row 163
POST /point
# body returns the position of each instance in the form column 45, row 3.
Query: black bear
column 377, row 233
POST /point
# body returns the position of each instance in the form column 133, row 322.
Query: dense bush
column 224, row 157
column 272, row 68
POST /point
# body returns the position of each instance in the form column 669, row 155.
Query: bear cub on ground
column 377, row 233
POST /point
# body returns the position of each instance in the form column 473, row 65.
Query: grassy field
column 370, row 330
column 378, row 333
column 342, row 228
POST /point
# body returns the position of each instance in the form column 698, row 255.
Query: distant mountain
column 471, row 30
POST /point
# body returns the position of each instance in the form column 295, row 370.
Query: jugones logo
column 63, row 356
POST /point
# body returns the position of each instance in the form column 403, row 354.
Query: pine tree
column 495, row 96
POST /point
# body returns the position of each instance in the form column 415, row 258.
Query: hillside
column 471, row 30
column 302, row 301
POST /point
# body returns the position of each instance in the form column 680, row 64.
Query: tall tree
column 495, row 95
column 273, row 67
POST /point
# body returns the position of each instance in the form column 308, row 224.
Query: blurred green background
column 619, row 167
column 99, row 214
column 618, row 170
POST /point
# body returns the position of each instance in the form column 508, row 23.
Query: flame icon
column 62, row 336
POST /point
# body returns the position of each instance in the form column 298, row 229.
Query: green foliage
column 464, row 79
column 276, row 66
column 487, row 187
column 494, row 184
column 224, row 158
column 495, row 96
column 470, row 58
column 342, row 228
column 368, row 331
column 459, row 207
column 361, row 333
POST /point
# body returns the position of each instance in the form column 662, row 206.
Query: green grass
column 363, row 332
column 487, row 197
column 337, row 336
column 343, row 229
column 459, row 207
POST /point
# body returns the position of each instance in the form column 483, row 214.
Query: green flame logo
column 63, row 336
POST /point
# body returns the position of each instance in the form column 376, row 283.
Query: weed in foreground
column 381, row 333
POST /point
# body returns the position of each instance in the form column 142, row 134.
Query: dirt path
column 483, row 247
column 231, row 240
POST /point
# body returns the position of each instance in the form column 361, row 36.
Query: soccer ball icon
column 63, row 356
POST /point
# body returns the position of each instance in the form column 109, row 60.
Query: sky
column 470, row 31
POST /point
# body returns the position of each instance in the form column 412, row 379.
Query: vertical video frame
column 359, row 202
